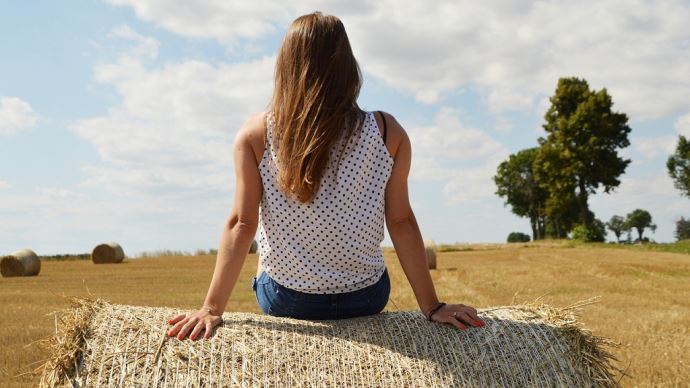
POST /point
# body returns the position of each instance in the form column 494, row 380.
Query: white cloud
column 173, row 131
column 470, row 185
column 463, row 159
column 512, row 52
column 653, row 147
column 58, row 193
column 15, row 115
column 146, row 46
column 449, row 138
column 4, row 185
column 683, row 125
column 503, row 125
column 222, row 20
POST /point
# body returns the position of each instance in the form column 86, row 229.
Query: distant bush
column 594, row 233
column 518, row 237
column 683, row 229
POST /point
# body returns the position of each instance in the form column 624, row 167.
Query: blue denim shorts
column 280, row 301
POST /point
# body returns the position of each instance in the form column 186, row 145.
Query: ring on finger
column 455, row 314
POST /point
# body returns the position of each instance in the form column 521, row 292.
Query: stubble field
column 644, row 305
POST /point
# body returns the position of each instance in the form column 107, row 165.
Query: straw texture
column 24, row 262
column 110, row 252
column 102, row 344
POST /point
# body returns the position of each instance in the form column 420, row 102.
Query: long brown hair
column 317, row 82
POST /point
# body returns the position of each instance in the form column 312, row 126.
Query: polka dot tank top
column 332, row 245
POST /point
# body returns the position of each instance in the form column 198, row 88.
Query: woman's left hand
column 196, row 322
column 458, row 315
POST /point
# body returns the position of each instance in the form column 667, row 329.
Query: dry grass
column 645, row 297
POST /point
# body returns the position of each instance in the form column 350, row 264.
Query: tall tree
column 515, row 182
column 561, row 214
column 618, row 226
column 678, row 165
column 580, row 152
column 682, row 229
column 640, row 220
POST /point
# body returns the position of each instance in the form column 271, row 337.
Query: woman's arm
column 236, row 237
column 407, row 238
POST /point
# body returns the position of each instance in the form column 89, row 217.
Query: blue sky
column 117, row 117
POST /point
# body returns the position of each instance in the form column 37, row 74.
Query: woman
column 318, row 175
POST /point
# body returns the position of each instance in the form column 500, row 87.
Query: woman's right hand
column 196, row 322
column 458, row 315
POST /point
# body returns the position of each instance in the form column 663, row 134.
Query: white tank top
column 332, row 245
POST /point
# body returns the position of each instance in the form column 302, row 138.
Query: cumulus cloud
column 449, row 138
column 512, row 52
column 653, row 147
column 15, row 115
column 174, row 129
column 58, row 193
column 683, row 125
column 145, row 46
column 463, row 158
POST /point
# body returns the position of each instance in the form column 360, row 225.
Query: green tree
column 678, row 166
column 683, row 229
column 580, row 152
column 595, row 232
column 515, row 182
column 618, row 226
column 561, row 215
column 640, row 220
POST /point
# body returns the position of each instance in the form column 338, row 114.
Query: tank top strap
column 270, row 122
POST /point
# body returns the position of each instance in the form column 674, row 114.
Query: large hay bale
column 254, row 247
column 107, row 253
column 430, row 249
column 23, row 262
column 103, row 344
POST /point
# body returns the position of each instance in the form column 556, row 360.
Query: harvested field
column 644, row 305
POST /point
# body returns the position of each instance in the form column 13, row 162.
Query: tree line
column 551, row 183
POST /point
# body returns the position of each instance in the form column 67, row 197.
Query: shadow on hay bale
column 102, row 344
column 107, row 253
column 23, row 262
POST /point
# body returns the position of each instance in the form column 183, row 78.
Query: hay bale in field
column 23, row 262
column 103, row 344
column 430, row 249
column 254, row 247
column 107, row 253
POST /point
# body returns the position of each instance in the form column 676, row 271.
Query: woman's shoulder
column 395, row 133
column 253, row 131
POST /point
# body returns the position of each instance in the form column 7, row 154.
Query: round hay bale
column 430, row 249
column 23, row 262
column 107, row 253
column 254, row 247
